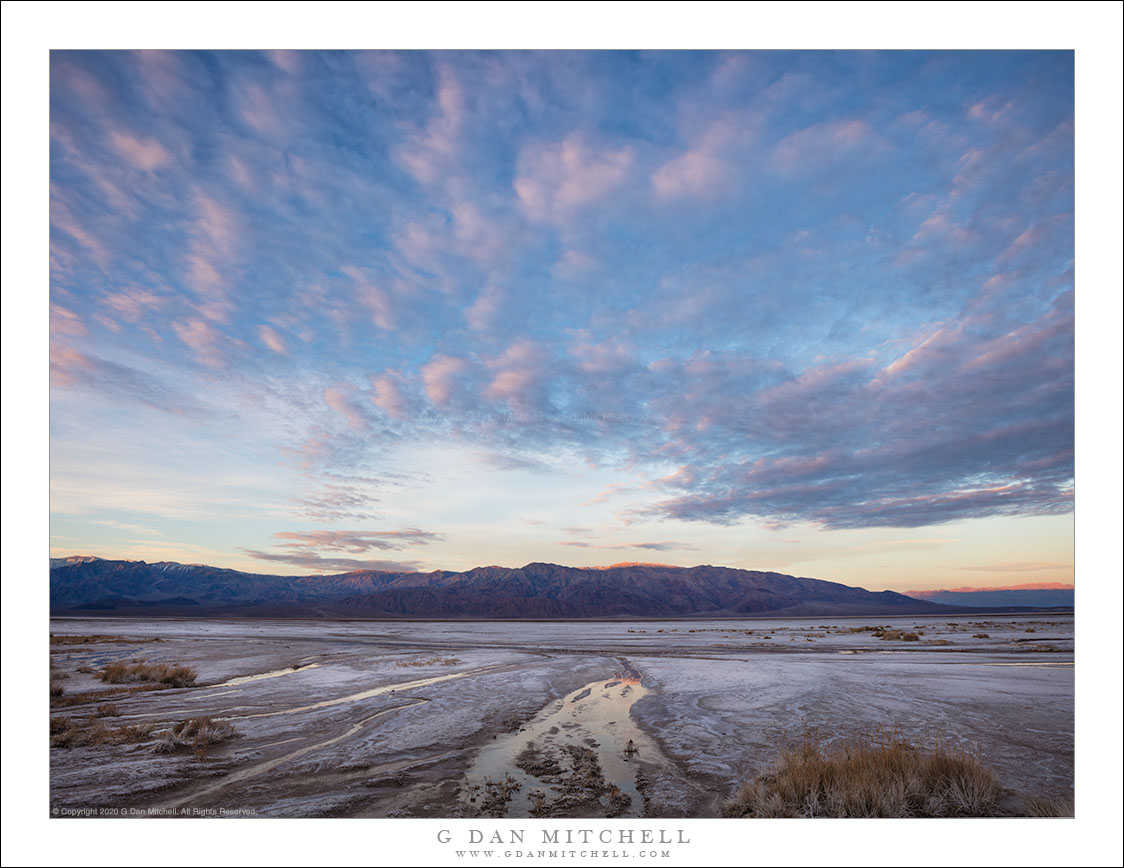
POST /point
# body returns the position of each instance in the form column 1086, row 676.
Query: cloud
column 433, row 150
column 65, row 322
column 216, row 236
column 714, row 163
column 387, row 394
column 768, row 287
column 148, row 155
column 132, row 528
column 1018, row 567
column 665, row 546
column 357, row 541
column 515, row 463
column 375, row 298
column 520, row 374
column 272, row 339
column 343, row 565
column 74, row 370
column 819, row 146
column 334, row 501
column 557, row 180
column 134, row 303
column 339, row 399
column 849, row 445
column 204, row 340
column 443, row 377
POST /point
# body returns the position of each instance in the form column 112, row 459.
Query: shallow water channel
column 550, row 766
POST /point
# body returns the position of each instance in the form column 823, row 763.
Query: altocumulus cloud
column 782, row 287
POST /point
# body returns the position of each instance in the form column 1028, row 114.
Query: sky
column 806, row 312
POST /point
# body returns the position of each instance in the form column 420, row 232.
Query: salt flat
column 391, row 719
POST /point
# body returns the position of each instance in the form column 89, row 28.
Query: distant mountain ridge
column 992, row 597
column 86, row 585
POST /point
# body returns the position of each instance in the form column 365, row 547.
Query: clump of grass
column 435, row 660
column 197, row 733
column 897, row 635
column 88, row 696
column 68, row 733
column 171, row 675
column 61, row 639
column 1049, row 808
column 880, row 777
column 57, row 690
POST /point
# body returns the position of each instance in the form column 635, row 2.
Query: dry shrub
column 197, row 733
column 172, row 675
column 68, row 733
column 88, row 696
column 898, row 635
column 878, row 777
column 435, row 660
column 1049, row 808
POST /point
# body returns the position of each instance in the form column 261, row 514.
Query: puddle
column 553, row 758
column 276, row 673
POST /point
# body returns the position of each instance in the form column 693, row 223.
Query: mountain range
column 992, row 597
column 88, row 585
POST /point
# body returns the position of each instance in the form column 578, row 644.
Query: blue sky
column 809, row 311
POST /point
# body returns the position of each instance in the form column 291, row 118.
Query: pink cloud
column 65, row 322
column 820, row 143
column 216, row 237
column 272, row 339
column 203, row 339
column 132, row 304
column 605, row 357
column 338, row 399
column 441, row 375
column 558, row 179
column 63, row 219
column 432, row 151
column 388, row 394
column 260, row 110
column 520, row 372
column 481, row 314
column 357, row 541
column 695, row 173
column 65, row 364
column 705, row 168
column 148, row 155
column 376, row 299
